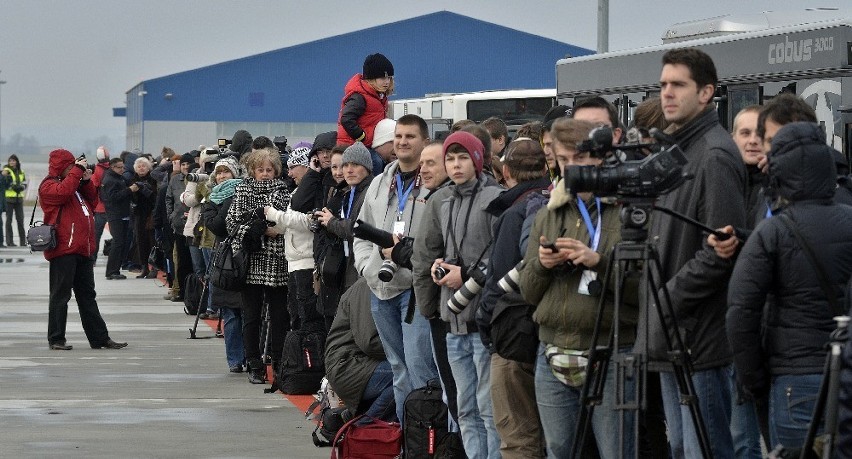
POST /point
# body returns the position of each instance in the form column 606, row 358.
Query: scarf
column 224, row 190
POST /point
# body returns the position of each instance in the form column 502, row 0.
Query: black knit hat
column 187, row 158
column 377, row 66
column 555, row 113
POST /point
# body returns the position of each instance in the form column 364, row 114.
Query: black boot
column 256, row 372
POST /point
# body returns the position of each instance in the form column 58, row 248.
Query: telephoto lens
column 509, row 282
column 387, row 271
column 196, row 177
column 468, row 291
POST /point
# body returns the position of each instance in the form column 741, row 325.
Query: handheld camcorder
column 657, row 174
column 382, row 239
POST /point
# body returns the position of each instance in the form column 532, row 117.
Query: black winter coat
column 116, row 196
column 511, row 207
column 213, row 216
column 696, row 278
column 788, row 335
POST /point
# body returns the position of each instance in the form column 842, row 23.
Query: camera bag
column 376, row 440
column 40, row 236
column 513, row 331
column 228, row 269
column 301, row 367
column 426, row 421
column 194, row 294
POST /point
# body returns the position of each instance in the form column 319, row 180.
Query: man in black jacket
column 513, row 382
column 117, row 196
column 695, row 277
column 779, row 348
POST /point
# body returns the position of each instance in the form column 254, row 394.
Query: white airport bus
column 514, row 107
column 812, row 60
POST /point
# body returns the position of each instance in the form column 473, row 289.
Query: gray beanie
column 357, row 153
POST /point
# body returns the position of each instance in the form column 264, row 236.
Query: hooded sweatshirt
column 68, row 204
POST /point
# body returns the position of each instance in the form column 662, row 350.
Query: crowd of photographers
column 473, row 261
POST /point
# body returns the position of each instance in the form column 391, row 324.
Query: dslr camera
column 657, row 174
column 387, row 270
column 468, row 291
column 313, row 221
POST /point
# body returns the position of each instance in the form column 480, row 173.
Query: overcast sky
column 68, row 63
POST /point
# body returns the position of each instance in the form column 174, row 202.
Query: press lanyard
column 349, row 209
column 82, row 204
column 402, row 197
column 594, row 233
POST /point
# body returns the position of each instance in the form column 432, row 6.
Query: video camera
column 209, row 156
column 657, row 174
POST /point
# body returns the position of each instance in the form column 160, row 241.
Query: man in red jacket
column 68, row 198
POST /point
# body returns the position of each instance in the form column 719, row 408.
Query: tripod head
column 635, row 213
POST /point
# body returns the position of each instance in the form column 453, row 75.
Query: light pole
column 1, row 112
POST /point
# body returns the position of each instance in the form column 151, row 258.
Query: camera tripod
column 630, row 257
column 192, row 331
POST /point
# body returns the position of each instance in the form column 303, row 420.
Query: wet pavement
column 162, row 396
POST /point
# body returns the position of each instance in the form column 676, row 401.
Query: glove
column 252, row 240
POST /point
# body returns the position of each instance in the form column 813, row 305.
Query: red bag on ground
column 377, row 440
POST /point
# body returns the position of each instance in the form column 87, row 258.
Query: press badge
column 587, row 278
column 345, row 248
column 399, row 227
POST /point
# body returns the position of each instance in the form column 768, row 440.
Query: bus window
column 740, row 97
column 511, row 111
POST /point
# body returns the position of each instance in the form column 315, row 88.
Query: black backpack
column 301, row 368
column 513, row 331
column 194, row 294
column 425, row 428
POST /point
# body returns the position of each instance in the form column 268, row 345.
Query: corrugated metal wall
column 440, row 52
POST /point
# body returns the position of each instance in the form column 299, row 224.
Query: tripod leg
column 194, row 329
column 819, row 409
column 267, row 326
column 678, row 356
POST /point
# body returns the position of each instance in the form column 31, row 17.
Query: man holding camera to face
column 453, row 250
column 117, row 196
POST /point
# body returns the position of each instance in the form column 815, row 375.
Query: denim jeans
column 379, row 391
column 471, row 365
column 199, row 267
column 745, row 431
column 791, row 407
column 714, row 401
column 408, row 347
column 559, row 408
column 232, row 321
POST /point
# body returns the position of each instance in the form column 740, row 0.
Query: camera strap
column 830, row 293
column 451, row 228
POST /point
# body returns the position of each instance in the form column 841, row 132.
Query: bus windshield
column 511, row 111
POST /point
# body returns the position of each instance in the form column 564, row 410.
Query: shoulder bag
column 41, row 236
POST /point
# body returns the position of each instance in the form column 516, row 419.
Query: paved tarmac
column 163, row 396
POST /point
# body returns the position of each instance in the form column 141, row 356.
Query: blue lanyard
column 349, row 209
column 594, row 233
column 402, row 197
column 768, row 211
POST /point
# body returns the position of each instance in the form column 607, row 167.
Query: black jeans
column 253, row 297
column 118, row 230
column 77, row 273
column 301, row 300
column 16, row 206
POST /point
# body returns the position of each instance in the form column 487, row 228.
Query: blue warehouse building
column 296, row 91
